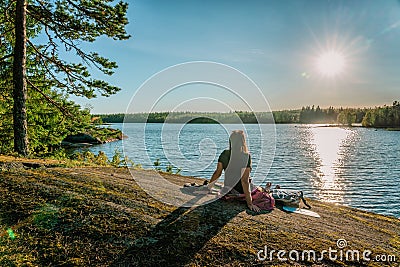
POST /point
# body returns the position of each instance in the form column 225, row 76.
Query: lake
column 357, row 167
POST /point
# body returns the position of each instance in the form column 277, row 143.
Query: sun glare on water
column 331, row 63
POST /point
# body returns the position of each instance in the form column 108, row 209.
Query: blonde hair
column 237, row 141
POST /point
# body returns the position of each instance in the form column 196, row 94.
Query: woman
column 236, row 162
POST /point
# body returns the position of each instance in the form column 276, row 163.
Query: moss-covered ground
column 99, row 216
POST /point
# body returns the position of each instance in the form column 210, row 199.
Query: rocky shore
column 52, row 215
column 93, row 137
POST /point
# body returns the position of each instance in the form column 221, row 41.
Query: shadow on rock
column 176, row 239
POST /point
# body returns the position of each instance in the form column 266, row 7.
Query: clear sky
column 299, row 52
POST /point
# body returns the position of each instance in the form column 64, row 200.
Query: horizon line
column 219, row 112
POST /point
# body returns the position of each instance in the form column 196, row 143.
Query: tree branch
column 6, row 56
column 62, row 109
column 41, row 55
column 88, row 59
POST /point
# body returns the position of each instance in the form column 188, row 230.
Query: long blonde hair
column 237, row 142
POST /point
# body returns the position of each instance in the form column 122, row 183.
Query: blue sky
column 275, row 43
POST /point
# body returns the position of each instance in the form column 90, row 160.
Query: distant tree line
column 188, row 117
column 317, row 115
column 386, row 116
column 285, row 116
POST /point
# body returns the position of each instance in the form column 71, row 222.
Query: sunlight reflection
column 329, row 156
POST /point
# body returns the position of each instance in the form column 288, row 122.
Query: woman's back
column 234, row 163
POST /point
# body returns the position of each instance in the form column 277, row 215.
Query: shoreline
column 12, row 162
column 355, row 125
column 86, row 215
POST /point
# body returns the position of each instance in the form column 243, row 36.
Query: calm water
column 352, row 166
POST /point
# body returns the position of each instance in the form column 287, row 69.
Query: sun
column 331, row 63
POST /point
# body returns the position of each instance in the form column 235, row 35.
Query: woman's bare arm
column 246, row 189
column 217, row 173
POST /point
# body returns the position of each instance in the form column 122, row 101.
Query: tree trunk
column 19, row 72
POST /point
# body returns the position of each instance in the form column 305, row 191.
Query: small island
column 94, row 136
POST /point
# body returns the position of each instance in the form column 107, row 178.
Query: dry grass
column 92, row 216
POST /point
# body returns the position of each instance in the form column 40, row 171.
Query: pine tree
column 19, row 74
column 66, row 24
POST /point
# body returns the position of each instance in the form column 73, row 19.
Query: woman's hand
column 210, row 186
column 217, row 173
column 254, row 208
